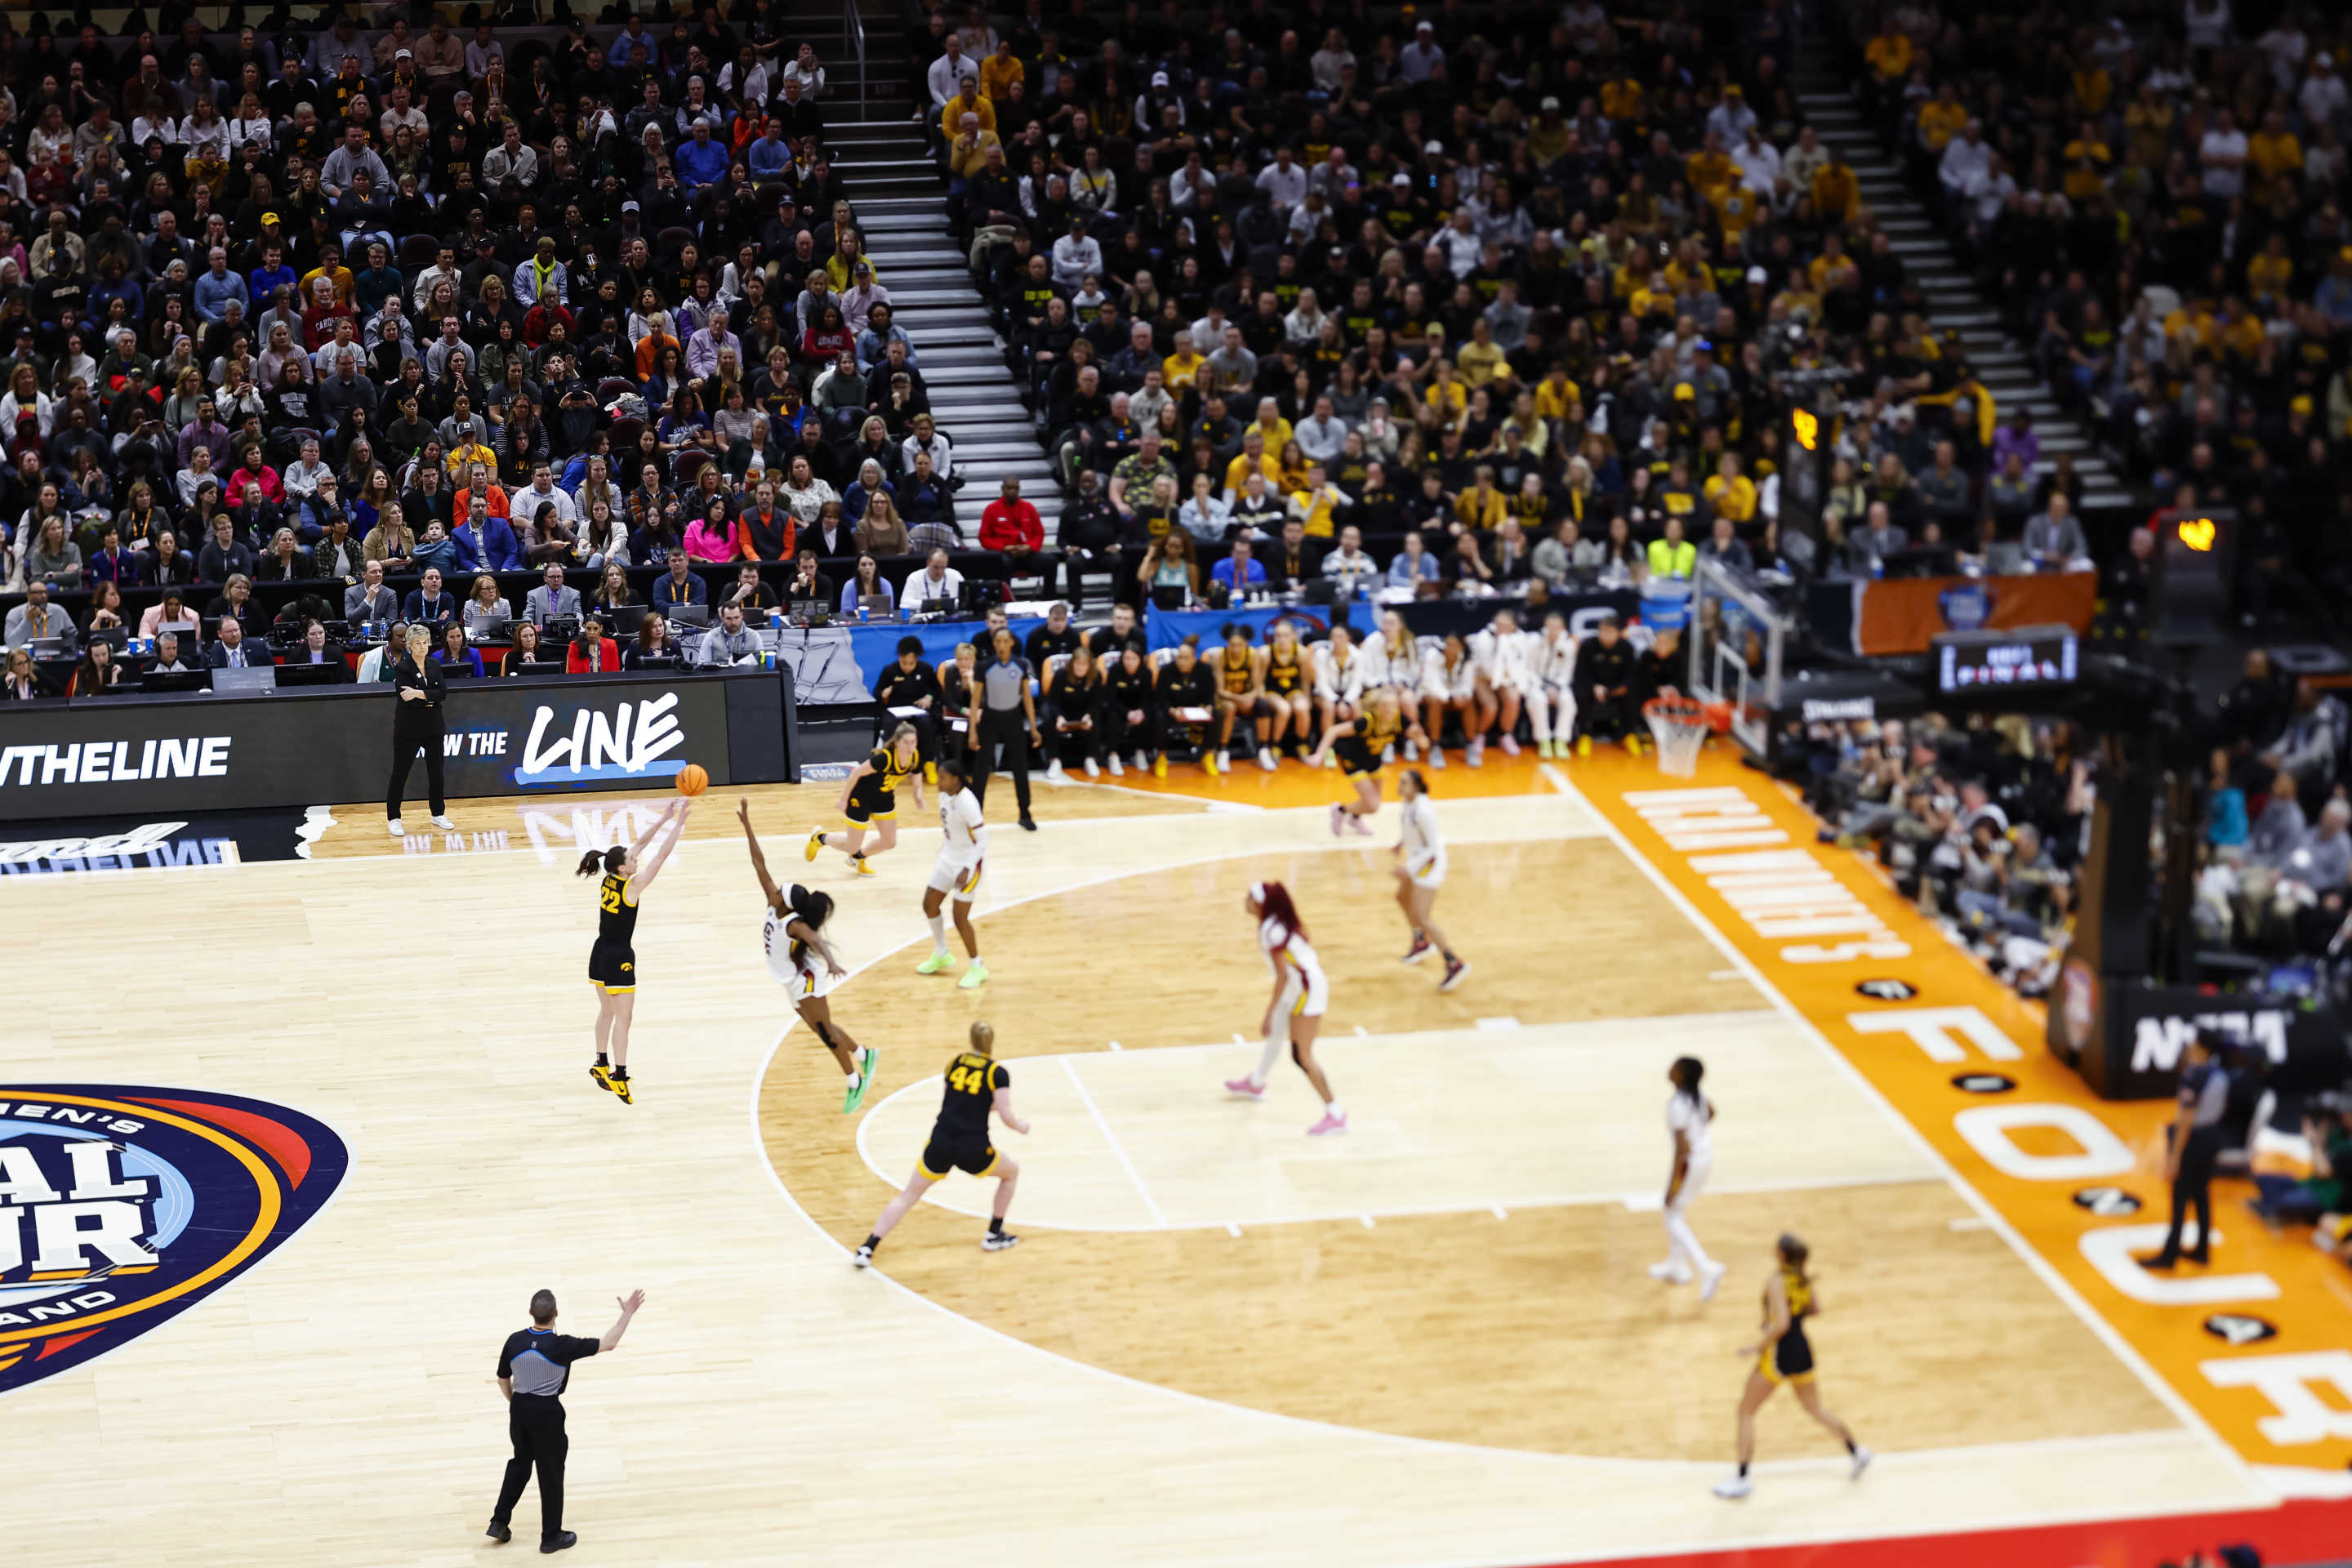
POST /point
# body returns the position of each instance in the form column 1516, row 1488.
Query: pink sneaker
column 1329, row 1124
column 1510, row 745
column 1363, row 829
column 1339, row 818
column 1245, row 1088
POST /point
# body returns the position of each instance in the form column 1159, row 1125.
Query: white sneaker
column 1266, row 758
column 1672, row 1273
column 1054, row 773
column 1510, row 745
column 1411, row 753
column 1142, row 764
column 1735, row 1489
column 397, row 830
column 1711, row 1276
column 1862, row 1457
column 1094, row 768
column 1475, row 754
column 1436, row 755
column 1117, row 768
column 444, row 824
column 1225, row 761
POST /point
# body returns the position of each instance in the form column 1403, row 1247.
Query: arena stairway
column 901, row 205
column 1951, row 295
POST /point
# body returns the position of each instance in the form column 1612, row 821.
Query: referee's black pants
column 2193, row 1188
column 1004, row 727
column 536, row 1425
column 405, row 744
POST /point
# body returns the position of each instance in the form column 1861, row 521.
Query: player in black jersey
column 1361, row 743
column 871, row 796
column 625, row 872
column 1785, row 1355
column 977, row 1084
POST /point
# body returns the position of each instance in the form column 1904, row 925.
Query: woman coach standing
column 416, row 725
column 1005, row 714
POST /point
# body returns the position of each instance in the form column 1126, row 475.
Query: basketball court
column 1431, row 1341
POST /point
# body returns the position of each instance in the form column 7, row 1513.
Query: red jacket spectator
column 1012, row 525
column 608, row 657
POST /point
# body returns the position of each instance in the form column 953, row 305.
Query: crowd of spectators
column 296, row 308
column 2156, row 198
column 1540, row 285
column 1984, row 824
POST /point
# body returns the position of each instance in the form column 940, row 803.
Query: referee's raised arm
column 534, row 1367
column 629, row 1305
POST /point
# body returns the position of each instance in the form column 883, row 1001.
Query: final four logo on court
column 121, row 1208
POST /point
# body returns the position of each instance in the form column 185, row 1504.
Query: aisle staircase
column 1951, row 294
column 901, row 205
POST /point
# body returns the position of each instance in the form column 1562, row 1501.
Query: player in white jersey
column 1392, row 657
column 1500, row 652
column 1690, row 1117
column 1450, row 683
column 802, row 959
column 955, row 876
column 1421, row 849
column 1294, row 1011
column 1551, row 687
column 1339, row 679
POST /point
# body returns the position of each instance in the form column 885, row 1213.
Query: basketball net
column 1679, row 724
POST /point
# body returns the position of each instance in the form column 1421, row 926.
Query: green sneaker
column 934, row 964
column 973, row 978
column 856, row 1097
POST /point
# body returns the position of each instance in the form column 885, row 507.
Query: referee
column 1005, row 713
column 533, row 1367
column 2195, row 1143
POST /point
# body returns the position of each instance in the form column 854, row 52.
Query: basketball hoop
column 1681, row 726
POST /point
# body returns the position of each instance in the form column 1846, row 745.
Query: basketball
column 692, row 779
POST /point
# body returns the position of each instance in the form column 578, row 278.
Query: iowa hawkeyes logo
column 121, row 1208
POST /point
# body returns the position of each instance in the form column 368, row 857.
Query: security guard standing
column 532, row 1370
column 2195, row 1143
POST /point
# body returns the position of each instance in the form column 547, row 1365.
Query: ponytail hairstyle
column 1794, row 1252
column 603, row 862
column 1273, row 900
column 1688, row 1071
column 809, row 907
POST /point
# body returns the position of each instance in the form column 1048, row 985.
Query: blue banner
column 1426, row 617
column 1166, row 628
column 838, row 663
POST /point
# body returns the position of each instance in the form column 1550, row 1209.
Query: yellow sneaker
column 1209, row 762
column 934, row 964
column 1585, row 745
column 930, row 772
column 865, row 866
column 1160, row 766
column 619, row 1084
column 815, row 842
